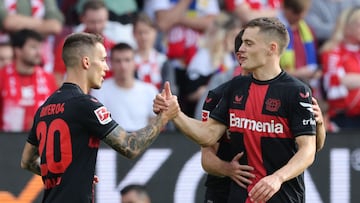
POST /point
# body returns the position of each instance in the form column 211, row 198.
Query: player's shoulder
column 220, row 89
column 289, row 80
column 240, row 80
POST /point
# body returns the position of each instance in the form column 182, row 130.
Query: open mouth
column 242, row 60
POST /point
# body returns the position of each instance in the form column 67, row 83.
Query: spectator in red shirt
column 341, row 64
column 6, row 54
column 24, row 84
column 247, row 10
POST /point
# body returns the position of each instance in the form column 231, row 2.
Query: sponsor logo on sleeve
column 205, row 115
column 208, row 100
column 103, row 115
column 307, row 106
column 306, row 95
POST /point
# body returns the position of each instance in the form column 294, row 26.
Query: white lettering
column 309, row 122
column 253, row 125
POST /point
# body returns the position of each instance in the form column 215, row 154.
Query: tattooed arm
column 132, row 144
column 30, row 159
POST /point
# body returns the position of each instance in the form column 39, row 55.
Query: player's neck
column 268, row 71
column 76, row 79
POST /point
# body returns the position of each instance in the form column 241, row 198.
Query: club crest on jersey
column 205, row 115
column 272, row 105
column 103, row 115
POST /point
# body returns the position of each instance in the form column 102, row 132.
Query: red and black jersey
column 67, row 129
column 217, row 186
column 264, row 117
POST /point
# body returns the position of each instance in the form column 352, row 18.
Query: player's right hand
column 241, row 174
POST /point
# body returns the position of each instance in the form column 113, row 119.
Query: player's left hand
column 317, row 112
column 172, row 102
column 161, row 101
column 265, row 188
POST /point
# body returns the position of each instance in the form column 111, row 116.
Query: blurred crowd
column 187, row 42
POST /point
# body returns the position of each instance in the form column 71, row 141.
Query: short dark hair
column 76, row 45
column 139, row 189
column 238, row 40
column 272, row 27
column 19, row 38
column 122, row 46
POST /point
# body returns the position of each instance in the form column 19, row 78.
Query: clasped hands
column 166, row 103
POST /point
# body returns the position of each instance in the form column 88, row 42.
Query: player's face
column 98, row 66
column 30, row 53
column 123, row 64
column 252, row 52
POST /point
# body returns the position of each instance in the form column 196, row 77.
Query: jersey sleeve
column 97, row 118
column 220, row 111
column 32, row 138
column 301, row 118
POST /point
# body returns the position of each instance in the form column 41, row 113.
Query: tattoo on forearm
column 131, row 144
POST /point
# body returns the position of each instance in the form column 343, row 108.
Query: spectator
column 222, row 77
column 24, row 84
column 215, row 56
column 150, row 63
column 6, row 54
column 323, row 14
column 134, row 194
column 183, row 22
column 342, row 73
column 247, row 10
column 43, row 16
column 129, row 100
column 67, row 7
column 300, row 57
column 94, row 20
column 123, row 11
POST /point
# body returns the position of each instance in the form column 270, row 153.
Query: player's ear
column 85, row 62
column 273, row 46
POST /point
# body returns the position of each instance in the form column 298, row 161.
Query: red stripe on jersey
column 255, row 125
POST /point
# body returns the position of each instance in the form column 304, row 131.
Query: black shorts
column 216, row 196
